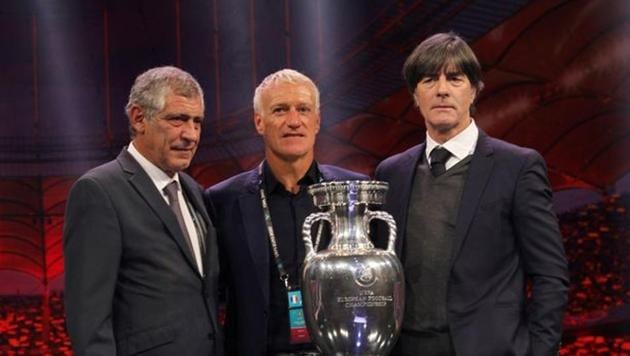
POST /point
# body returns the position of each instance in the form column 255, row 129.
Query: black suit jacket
column 506, row 232
column 132, row 285
column 244, row 248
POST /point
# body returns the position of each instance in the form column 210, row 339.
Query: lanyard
column 284, row 275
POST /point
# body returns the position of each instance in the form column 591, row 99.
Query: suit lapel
column 478, row 175
column 195, row 197
column 145, row 187
column 204, row 225
column 326, row 174
column 208, row 233
column 253, row 222
column 400, row 185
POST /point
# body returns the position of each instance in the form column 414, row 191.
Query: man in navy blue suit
column 259, row 217
column 475, row 223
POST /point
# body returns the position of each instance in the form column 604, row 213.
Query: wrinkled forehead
column 283, row 84
column 289, row 91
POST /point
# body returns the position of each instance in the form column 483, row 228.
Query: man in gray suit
column 140, row 250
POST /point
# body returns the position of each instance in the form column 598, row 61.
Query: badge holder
column 297, row 323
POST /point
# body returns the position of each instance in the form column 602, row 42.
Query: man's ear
column 137, row 119
column 414, row 95
column 260, row 125
column 318, row 123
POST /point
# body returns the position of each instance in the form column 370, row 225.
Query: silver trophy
column 353, row 293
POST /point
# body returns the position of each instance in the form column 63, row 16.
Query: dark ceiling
column 67, row 66
column 557, row 77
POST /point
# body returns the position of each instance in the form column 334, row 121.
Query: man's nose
column 190, row 130
column 293, row 119
column 442, row 86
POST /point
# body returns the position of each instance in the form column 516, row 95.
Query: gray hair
column 283, row 76
column 151, row 87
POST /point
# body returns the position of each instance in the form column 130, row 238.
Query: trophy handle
column 306, row 232
column 391, row 223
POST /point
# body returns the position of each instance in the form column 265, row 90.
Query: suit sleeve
column 544, row 258
column 92, row 250
column 380, row 237
column 226, row 306
column 216, row 220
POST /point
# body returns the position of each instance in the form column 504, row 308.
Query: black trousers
column 424, row 343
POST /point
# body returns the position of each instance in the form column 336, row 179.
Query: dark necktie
column 173, row 201
column 439, row 156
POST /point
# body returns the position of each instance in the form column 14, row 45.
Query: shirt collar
column 461, row 146
column 272, row 185
column 158, row 177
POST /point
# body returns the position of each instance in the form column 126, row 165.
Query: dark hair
column 438, row 52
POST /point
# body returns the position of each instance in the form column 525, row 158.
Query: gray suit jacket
column 131, row 282
column 506, row 233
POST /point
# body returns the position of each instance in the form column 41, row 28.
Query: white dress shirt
column 161, row 180
column 460, row 146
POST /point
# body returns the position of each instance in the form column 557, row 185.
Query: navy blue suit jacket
column 244, row 248
column 506, row 232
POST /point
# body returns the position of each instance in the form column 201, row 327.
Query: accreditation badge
column 297, row 323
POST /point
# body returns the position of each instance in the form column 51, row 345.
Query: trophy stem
column 351, row 228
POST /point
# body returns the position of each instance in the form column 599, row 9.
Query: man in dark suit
column 140, row 250
column 475, row 223
column 263, row 261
